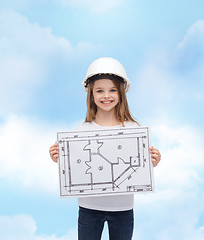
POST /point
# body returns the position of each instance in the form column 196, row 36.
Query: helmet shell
column 106, row 65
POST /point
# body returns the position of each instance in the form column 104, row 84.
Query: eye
column 99, row 91
column 113, row 90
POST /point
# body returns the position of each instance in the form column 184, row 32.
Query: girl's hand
column 155, row 155
column 54, row 152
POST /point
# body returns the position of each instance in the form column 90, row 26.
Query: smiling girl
column 106, row 84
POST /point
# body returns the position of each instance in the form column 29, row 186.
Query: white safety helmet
column 106, row 66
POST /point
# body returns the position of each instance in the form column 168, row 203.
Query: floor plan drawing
column 103, row 162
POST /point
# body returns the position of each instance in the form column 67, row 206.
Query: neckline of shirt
column 106, row 126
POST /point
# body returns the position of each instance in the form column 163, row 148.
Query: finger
column 55, row 157
column 156, row 158
column 154, row 163
column 155, row 155
column 53, row 149
column 151, row 148
column 54, row 146
column 154, row 150
column 54, row 154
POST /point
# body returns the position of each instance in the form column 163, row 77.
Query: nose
column 106, row 94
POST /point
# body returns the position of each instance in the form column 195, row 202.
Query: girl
column 106, row 84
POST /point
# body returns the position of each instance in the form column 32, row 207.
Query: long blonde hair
column 121, row 109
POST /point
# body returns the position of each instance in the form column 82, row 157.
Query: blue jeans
column 91, row 223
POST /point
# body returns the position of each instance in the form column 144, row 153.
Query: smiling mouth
column 106, row 102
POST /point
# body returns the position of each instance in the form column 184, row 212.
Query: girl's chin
column 106, row 108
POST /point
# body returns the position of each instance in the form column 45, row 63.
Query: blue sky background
column 45, row 49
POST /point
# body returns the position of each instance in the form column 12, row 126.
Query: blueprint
column 104, row 162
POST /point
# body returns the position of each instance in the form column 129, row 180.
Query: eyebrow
column 102, row 88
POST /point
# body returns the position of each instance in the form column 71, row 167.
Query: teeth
column 106, row 102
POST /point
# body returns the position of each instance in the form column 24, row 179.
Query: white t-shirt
column 106, row 203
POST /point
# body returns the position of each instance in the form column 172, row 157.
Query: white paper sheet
column 103, row 162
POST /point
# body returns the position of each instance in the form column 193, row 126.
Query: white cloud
column 20, row 37
column 194, row 36
column 29, row 54
column 171, row 80
column 17, row 227
column 154, row 87
column 26, row 51
column 25, row 157
column 189, row 53
column 154, row 80
column 19, row 77
column 23, row 227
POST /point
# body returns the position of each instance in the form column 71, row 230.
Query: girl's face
column 105, row 95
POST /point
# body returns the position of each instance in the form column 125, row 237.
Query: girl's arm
column 155, row 155
column 54, row 152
